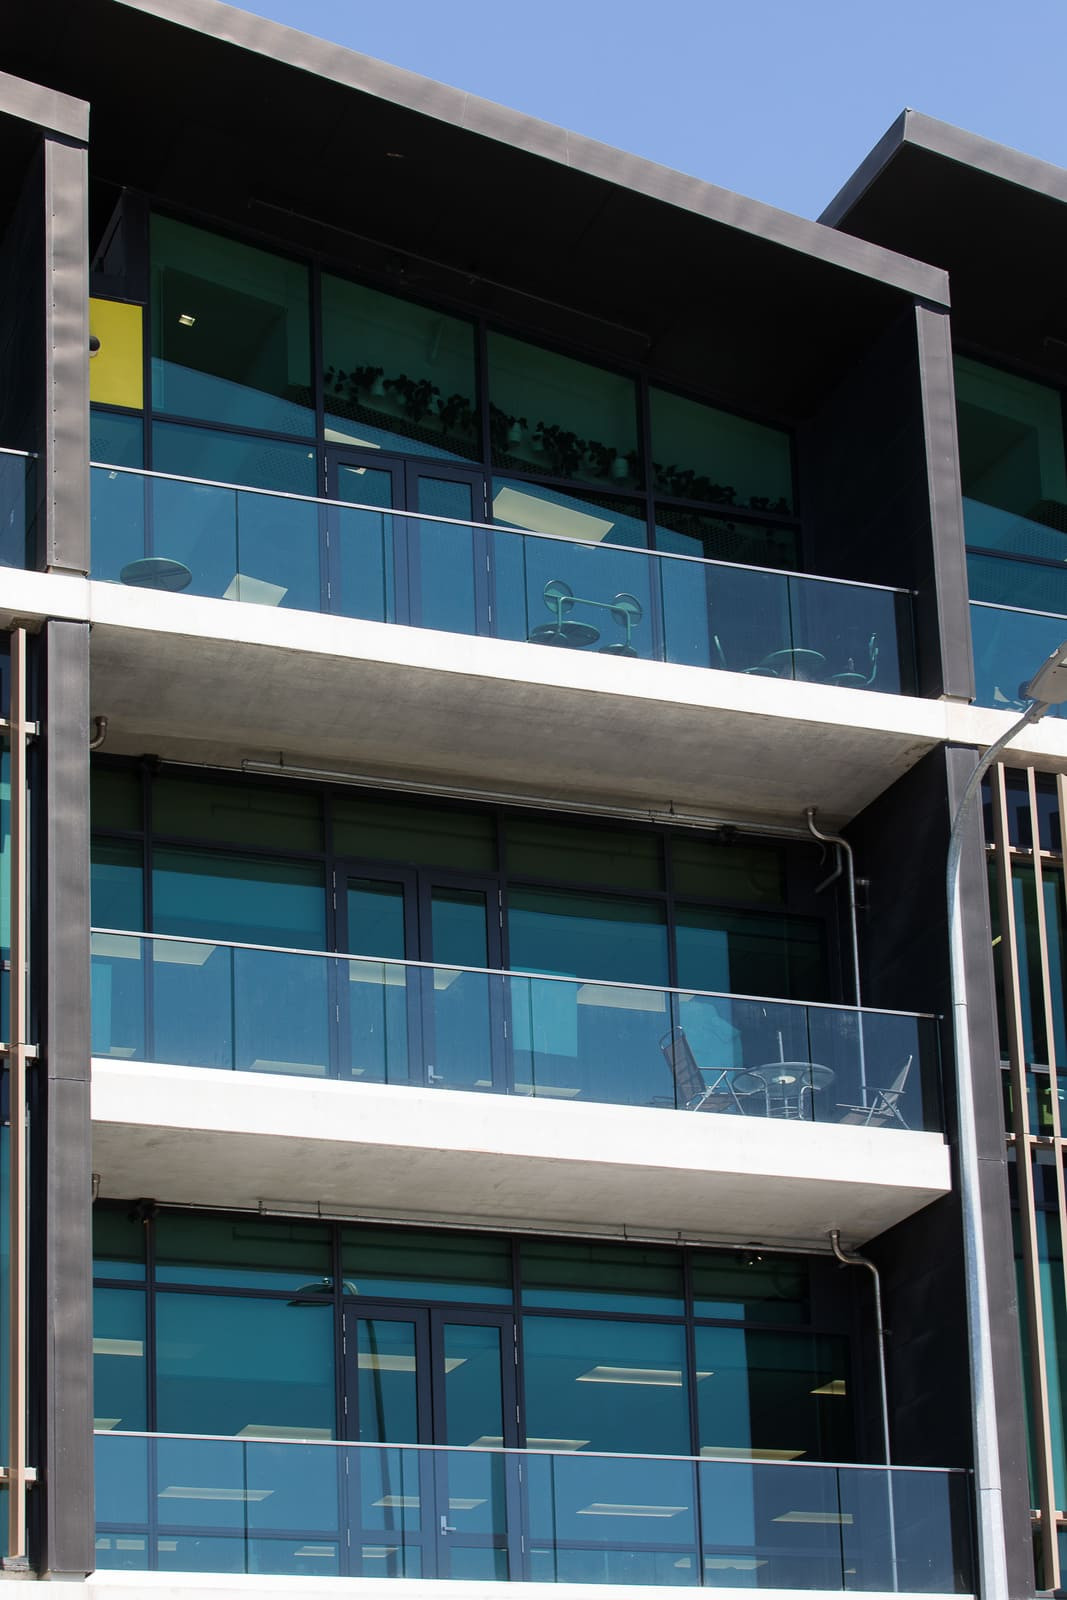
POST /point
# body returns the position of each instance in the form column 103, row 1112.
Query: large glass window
column 749, row 952
column 613, row 1338
column 560, row 418
column 596, row 1384
column 772, row 1396
column 231, row 331
column 398, row 376
column 241, row 898
column 588, row 935
column 250, row 1367
column 701, row 453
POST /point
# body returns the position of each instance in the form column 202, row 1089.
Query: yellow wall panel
column 116, row 372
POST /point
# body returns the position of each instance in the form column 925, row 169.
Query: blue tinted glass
column 119, row 1393
column 233, row 458
column 600, row 1385
column 244, row 1366
column 588, row 935
column 216, row 896
column 117, row 885
column 116, row 438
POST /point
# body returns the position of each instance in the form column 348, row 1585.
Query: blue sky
column 778, row 99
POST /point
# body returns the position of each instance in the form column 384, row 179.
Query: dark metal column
column 65, row 440
column 951, row 627
column 61, row 1161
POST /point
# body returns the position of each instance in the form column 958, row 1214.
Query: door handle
column 446, row 1526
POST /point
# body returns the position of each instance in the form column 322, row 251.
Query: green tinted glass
column 115, row 797
column 574, row 854
column 119, row 1389
column 710, row 538
column 701, row 453
column 392, row 830
column 716, row 871
column 563, row 418
column 234, row 813
column 231, row 331
column 601, row 1277
column 209, row 895
column 1011, row 449
column 243, row 1253
column 746, row 1286
column 382, row 1263
column 773, row 1396
column 750, row 952
column 118, row 1244
column 397, row 375
column 117, row 877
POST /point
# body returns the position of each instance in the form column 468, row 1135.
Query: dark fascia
column 45, row 108
column 913, row 128
column 483, row 117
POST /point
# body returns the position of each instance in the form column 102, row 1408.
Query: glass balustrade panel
column 293, row 1507
column 574, row 596
column 1009, row 646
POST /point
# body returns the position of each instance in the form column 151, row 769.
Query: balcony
column 311, row 1509
column 565, row 590
column 236, row 1075
column 254, row 1008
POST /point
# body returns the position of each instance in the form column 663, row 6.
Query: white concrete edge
column 212, row 1586
column 29, row 595
column 208, row 1100
column 34, row 596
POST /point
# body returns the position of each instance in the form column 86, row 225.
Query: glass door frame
column 406, row 473
column 428, row 1330
column 418, row 885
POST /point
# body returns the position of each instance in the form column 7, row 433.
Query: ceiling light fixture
column 186, row 320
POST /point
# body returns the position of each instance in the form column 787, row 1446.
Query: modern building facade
column 487, row 684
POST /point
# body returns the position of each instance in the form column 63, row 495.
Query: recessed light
column 395, row 155
column 835, row 1386
column 186, row 320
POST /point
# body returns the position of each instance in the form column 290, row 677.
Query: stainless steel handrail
column 488, row 527
column 27, row 455
column 501, row 972
column 512, row 1450
column 1023, row 611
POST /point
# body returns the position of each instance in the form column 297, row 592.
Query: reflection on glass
column 387, row 1382
column 252, row 1506
column 365, row 557
column 242, row 1253
column 751, row 952
column 773, row 1396
column 231, row 331
column 119, row 1365
column 385, row 1263
column 398, row 375
column 585, row 1276
column 252, row 1367
column 17, row 511
column 1008, row 645
column 606, row 1385
column 705, row 454
column 717, row 538
column 560, row 418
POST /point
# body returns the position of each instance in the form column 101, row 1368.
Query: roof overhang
column 993, row 218
column 273, row 131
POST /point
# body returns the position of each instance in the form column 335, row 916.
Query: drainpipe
column 99, row 733
column 850, row 1258
column 845, row 850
